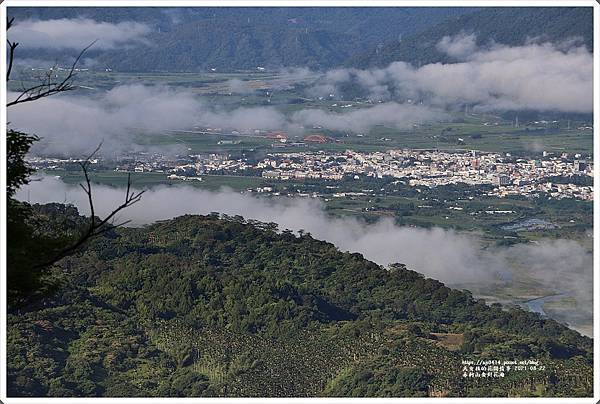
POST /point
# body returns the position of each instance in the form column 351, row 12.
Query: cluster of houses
column 506, row 175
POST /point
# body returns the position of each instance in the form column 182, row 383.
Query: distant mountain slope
column 510, row 26
column 372, row 24
column 192, row 39
column 231, row 44
column 209, row 306
column 229, row 38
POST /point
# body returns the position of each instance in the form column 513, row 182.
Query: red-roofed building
column 316, row 139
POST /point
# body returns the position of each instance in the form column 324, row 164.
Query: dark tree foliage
column 210, row 306
column 17, row 171
column 31, row 250
column 26, row 246
column 198, row 38
column 505, row 25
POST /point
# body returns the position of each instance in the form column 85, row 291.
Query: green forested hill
column 229, row 38
column 504, row 25
column 196, row 39
column 210, row 306
column 228, row 44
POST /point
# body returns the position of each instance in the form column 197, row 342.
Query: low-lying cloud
column 534, row 76
column 65, row 33
column 539, row 76
column 455, row 257
column 458, row 46
column 394, row 115
column 73, row 124
column 77, row 122
column 561, row 266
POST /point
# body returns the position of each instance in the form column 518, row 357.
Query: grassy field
column 148, row 180
column 380, row 139
column 472, row 216
column 196, row 143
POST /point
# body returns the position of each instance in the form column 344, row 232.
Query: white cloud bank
column 391, row 114
column 458, row 46
column 74, row 124
column 77, row 33
column 538, row 76
column 70, row 123
column 559, row 265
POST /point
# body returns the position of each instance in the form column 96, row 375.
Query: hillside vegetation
column 234, row 38
column 222, row 306
column 230, row 38
column 504, row 25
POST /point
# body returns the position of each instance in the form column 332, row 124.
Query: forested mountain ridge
column 216, row 306
column 504, row 25
column 229, row 38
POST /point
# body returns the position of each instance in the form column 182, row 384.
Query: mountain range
column 197, row 39
column 508, row 26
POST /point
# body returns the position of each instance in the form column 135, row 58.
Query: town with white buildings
column 504, row 175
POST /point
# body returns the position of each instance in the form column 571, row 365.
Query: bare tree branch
column 11, row 47
column 11, row 57
column 96, row 227
column 48, row 86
